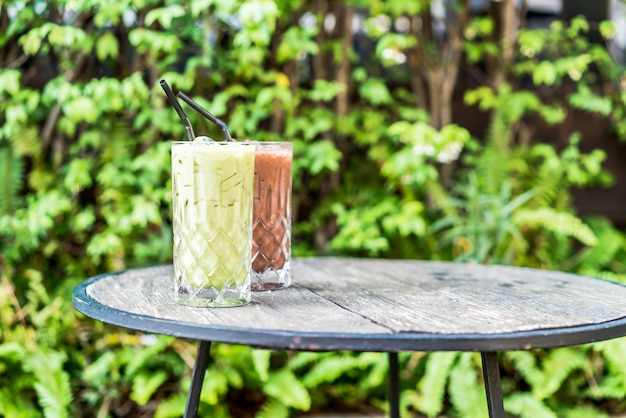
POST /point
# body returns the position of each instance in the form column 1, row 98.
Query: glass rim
column 211, row 143
column 288, row 143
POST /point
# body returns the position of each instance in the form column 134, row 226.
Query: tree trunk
column 438, row 59
column 506, row 22
column 289, row 69
column 435, row 80
column 417, row 80
column 340, row 72
column 343, row 71
column 319, row 67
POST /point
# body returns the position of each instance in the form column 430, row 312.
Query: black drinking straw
column 181, row 113
column 206, row 114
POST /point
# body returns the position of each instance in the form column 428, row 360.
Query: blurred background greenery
column 476, row 131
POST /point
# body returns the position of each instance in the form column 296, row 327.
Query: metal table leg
column 493, row 387
column 197, row 378
column 394, row 386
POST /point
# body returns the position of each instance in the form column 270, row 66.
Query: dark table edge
column 289, row 340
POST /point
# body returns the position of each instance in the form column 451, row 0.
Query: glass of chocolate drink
column 271, row 219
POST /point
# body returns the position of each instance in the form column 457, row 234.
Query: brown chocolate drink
column 271, row 233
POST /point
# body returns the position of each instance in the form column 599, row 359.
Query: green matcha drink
column 212, row 186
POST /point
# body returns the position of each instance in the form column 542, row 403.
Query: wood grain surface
column 366, row 296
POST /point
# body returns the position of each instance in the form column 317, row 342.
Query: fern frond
column 557, row 249
column 329, row 369
column 286, row 387
column 491, row 166
column 261, row 361
column 145, row 385
column 611, row 387
column 557, row 366
column 525, row 405
column 546, row 175
column 52, row 406
column 378, row 371
column 604, row 275
column 136, row 360
column 466, row 393
column 273, row 408
column 52, row 385
column 610, row 243
column 214, row 387
column 433, row 385
column 305, row 358
column 97, row 373
column 557, row 222
column 12, row 351
column 582, row 412
column 172, row 408
column 614, row 352
column 13, row 405
column 526, row 364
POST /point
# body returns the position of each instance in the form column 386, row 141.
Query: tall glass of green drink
column 212, row 186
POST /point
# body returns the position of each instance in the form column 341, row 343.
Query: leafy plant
column 84, row 188
column 12, row 180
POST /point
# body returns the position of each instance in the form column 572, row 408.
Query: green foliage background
column 85, row 189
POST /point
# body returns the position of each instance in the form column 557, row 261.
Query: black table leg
column 493, row 387
column 197, row 378
column 394, row 386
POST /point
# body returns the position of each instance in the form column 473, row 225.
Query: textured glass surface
column 271, row 235
column 212, row 221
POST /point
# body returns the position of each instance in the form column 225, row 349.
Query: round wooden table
column 375, row 305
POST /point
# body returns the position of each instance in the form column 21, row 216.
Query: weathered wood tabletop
column 376, row 305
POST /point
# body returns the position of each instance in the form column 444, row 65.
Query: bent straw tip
column 179, row 110
column 206, row 114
